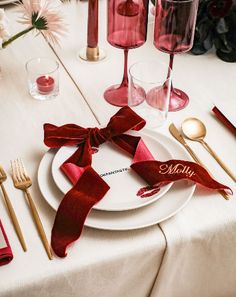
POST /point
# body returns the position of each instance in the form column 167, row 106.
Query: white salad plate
column 113, row 165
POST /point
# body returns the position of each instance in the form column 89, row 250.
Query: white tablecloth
column 191, row 254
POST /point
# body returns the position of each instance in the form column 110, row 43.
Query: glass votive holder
column 150, row 83
column 43, row 78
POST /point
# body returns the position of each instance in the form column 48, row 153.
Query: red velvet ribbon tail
column 74, row 208
column 156, row 172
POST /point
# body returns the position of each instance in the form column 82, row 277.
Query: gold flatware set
column 22, row 181
column 195, row 130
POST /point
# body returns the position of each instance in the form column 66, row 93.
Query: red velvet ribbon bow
column 88, row 187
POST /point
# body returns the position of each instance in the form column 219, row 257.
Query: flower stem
column 14, row 37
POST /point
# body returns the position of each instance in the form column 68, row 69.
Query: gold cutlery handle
column 177, row 135
column 39, row 224
column 197, row 160
column 191, row 152
column 14, row 218
column 218, row 160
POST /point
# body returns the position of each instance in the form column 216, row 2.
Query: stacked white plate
column 121, row 208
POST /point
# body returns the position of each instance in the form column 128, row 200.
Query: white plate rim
column 121, row 227
column 144, row 203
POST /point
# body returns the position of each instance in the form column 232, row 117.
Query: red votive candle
column 45, row 84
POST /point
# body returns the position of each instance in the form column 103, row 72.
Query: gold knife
column 178, row 136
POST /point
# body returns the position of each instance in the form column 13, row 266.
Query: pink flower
column 44, row 16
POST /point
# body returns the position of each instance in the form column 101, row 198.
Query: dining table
column 191, row 251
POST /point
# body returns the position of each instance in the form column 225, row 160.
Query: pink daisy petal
column 55, row 26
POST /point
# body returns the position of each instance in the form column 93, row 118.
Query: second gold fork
column 22, row 181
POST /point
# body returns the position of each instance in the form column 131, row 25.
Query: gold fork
column 22, row 181
column 11, row 211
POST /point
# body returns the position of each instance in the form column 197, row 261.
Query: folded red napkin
column 89, row 188
column 5, row 250
column 224, row 120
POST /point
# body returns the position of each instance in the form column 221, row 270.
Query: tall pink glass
column 126, row 29
column 174, row 33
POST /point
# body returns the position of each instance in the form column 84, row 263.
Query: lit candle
column 45, row 84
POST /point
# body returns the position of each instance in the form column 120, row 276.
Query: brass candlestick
column 92, row 52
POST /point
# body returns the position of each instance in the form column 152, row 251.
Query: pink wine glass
column 127, row 29
column 174, row 33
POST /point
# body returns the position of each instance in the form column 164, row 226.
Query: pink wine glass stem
column 171, row 61
column 125, row 80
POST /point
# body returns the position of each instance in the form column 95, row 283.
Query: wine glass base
column 118, row 95
column 178, row 100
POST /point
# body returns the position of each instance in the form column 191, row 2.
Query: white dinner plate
column 113, row 165
column 171, row 203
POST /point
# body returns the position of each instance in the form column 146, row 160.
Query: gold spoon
column 195, row 130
